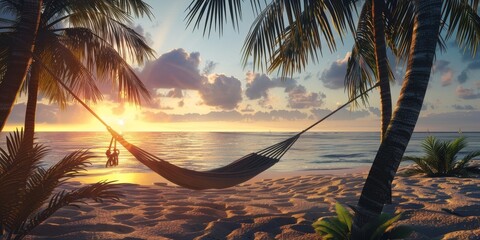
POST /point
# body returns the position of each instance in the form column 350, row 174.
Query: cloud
column 449, row 121
column 232, row 116
column 464, row 75
column 181, row 103
column 175, row 69
column 446, row 78
column 50, row 114
column 265, row 103
column 119, row 110
column 150, row 116
column 308, row 76
column 209, row 67
column 463, row 107
column 148, row 37
column 334, row 76
column 259, row 84
column 192, row 117
column 247, row 109
column 341, row 114
column 222, row 92
column 466, row 93
column 427, row 105
column 174, row 93
column 276, row 115
column 299, row 98
column 375, row 111
column 441, row 66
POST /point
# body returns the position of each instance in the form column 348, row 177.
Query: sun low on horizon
column 199, row 83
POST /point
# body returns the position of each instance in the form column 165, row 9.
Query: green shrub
column 441, row 158
column 28, row 194
column 340, row 227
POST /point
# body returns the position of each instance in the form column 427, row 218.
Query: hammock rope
column 230, row 175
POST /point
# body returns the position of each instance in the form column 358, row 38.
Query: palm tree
column 29, row 193
column 376, row 190
column 369, row 57
column 459, row 17
column 288, row 47
column 82, row 39
column 15, row 63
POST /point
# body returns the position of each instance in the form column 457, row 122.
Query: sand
column 278, row 208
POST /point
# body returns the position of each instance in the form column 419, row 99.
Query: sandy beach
column 279, row 208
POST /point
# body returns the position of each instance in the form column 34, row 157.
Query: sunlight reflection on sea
column 207, row 150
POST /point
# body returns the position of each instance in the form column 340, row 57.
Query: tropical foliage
column 21, row 43
column 340, row 227
column 80, row 42
column 285, row 36
column 29, row 193
column 440, row 159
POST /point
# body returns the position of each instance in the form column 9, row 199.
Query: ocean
column 207, row 150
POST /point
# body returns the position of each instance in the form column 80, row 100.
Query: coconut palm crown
column 83, row 41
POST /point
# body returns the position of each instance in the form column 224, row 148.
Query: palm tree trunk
column 382, row 67
column 378, row 6
column 20, row 58
column 379, row 181
column 31, row 110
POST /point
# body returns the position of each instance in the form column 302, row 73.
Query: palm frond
column 118, row 9
column 18, row 162
column 361, row 66
column 106, row 62
column 399, row 27
column 288, row 33
column 461, row 17
column 68, row 68
column 216, row 13
column 441, row 157
column 137, row 8
column 111, row 66
column 42, row 183
column 128, row 43
column 9, row 7
column 98, row 192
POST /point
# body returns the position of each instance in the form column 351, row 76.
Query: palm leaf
column 440, row 157
column 98, row 192
column 66, row 66
column 128, row 43
column 462, row 18
column 18, row 163
column 289, row 33
column 215, row 13
column 42, row 184
column 106, row 62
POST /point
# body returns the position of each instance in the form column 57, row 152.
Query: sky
column 198, row 83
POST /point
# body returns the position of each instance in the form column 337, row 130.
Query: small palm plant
column 340, row 227
column 26, row 187
column 440, row 158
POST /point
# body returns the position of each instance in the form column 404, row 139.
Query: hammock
column 227, row 176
